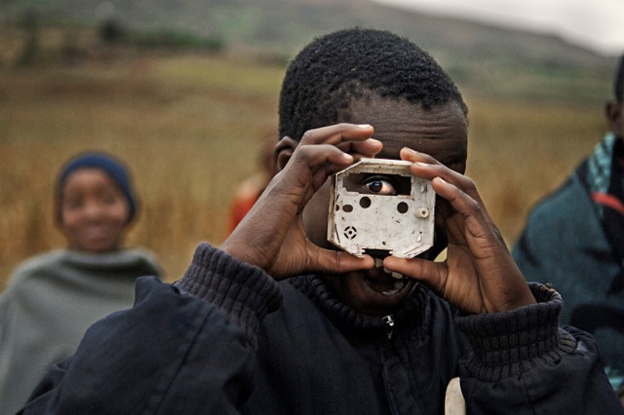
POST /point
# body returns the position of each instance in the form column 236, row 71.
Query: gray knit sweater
column 50, row 301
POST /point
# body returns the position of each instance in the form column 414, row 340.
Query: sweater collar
column 135, row 261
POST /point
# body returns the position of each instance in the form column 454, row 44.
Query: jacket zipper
column 388, row 355
column 389, row 320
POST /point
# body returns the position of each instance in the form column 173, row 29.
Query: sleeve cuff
column 505, row 344
column 243, row 292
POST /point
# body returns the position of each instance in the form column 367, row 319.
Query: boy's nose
column 93, row 210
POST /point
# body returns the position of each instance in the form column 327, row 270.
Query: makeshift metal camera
column 362, row 221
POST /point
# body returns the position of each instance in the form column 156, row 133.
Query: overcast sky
column 594, row 24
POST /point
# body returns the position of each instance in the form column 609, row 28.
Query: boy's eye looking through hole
column 381, row 186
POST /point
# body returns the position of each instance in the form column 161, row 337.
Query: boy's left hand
column 479, row 274
column 272, row 235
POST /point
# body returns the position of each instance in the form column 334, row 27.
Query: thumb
column 337, row 262
column 424, row 270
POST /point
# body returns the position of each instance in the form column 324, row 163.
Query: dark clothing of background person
column 574, row 239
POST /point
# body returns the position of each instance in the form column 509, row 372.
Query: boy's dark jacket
column 175, row 353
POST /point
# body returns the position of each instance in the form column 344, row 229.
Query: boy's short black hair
column 330, row 72
column 619, row 81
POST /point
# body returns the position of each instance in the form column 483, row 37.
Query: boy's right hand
column 272, row 236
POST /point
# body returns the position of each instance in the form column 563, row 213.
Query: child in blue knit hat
column 95, row 202
column 52, row 298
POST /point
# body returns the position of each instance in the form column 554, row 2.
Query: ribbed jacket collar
column 414, row 311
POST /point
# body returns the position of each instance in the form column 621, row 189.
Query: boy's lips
column 95, row 232
column 383, row 282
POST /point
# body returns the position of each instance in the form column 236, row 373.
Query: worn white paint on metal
column 402, row 224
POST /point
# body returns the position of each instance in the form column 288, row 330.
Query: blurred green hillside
column 483, row 58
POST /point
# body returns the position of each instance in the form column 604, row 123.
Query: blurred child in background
column 51, row 299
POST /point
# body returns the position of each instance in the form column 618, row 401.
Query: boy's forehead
column 439, row 131
column 450, row 151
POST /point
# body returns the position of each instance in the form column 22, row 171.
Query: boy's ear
column 283, row 151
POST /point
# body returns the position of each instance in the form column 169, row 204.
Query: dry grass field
column 189, row 127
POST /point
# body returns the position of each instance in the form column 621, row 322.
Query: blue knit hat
column 114, row 168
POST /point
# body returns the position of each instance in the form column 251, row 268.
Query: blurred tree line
column 32, row 39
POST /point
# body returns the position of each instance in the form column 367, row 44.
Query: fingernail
column 411, row 151
column 420, row 163
column 364, row 125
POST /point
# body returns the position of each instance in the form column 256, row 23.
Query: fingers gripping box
column 400, row 221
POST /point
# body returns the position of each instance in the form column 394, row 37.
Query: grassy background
column 190, row 127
